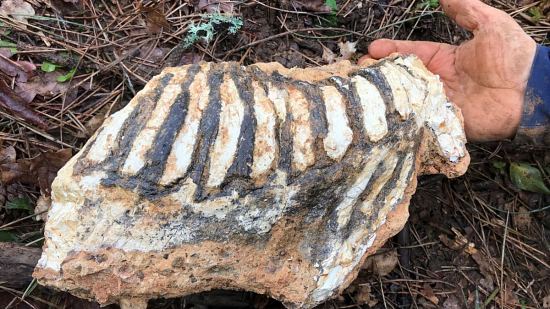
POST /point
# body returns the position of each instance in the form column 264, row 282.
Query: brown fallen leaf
column 522, row 219
column 311, row 5
column 39, row 171
column 154, row 17
column 15, row 105
column 21, row 70
column 44, row 84
column 7, row 155
column 66, row 7
column 213, row 6
column 364, row 296
column 46, row 165
column 546, row 301
column 328, row 56
column 17, row 9
column 429, row 294
column 382, row 264
column 451, row 303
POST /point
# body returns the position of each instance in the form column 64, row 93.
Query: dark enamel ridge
column 242, row 162
column 208, row 130
column 158, row 154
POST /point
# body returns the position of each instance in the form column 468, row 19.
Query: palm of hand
column 483, row 76
column 486, row 76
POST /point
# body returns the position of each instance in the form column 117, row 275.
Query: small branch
column 17, row 263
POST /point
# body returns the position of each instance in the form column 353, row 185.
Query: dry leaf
column 7, row 155
column 154, row 17
column 522, row 219
column 44, row 84
column 21, row 70
column 17, row 106
column 10, row 170
column 216, row 6
column 347, row 50
column 382, row 264
column 46, row 165
column 451, row 303
column 364, row 296
column 18, row 9
column 42, row 206
column 66, row 7
column 328, row 56
column 39, row 171
column 311, row 5
column 546, row 301
column 429, row 294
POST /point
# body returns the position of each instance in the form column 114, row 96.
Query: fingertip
column 381, row 48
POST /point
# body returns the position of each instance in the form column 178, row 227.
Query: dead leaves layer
column 39, row 171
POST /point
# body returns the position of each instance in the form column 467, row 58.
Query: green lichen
column 205, row 29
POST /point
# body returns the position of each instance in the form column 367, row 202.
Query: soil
column 472, row 242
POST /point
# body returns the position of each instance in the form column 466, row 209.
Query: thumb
column 470, row 14
column 426, row 51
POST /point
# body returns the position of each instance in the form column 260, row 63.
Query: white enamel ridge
column 399, row 92
column 225, row 146
column 339, row 135
column 144, row 141
column 104, row 143
column 374, row 109
column 345, row 207
column 389, row 166
column 438, row 112
column 302, row 140
column 265, row 145
column 279, row 98
column 182, row 150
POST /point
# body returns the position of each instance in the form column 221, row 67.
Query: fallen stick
column 17, row 263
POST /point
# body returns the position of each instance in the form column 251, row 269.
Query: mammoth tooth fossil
column 259, row 178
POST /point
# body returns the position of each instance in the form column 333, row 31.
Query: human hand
column 486, row 76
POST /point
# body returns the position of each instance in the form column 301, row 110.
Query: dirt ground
column 477, row 241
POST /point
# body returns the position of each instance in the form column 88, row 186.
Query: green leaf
column 428, row 4
column 528, row 178
column 66, row 77
column 6, row 236
column 331, row 4
column 536, row 13
column 21, row 203
column 7, row 44
column 500, row 166
column 48, row 67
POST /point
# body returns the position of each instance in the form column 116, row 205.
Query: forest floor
column 477, row 241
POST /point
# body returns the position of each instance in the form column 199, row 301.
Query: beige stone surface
column 272, row 180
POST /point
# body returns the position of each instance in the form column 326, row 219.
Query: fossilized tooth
column 258, row 178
